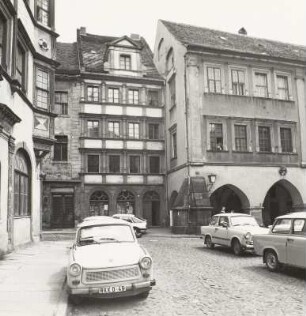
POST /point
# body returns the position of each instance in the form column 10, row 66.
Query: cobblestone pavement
column 193, row 280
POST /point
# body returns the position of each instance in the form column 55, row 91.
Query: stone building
column 235, row 121
column 27, row 46
column 109, row 152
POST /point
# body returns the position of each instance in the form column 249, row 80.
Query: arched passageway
column 98, row 203
column 281, row 198
column 230, row 198
column 151, row 208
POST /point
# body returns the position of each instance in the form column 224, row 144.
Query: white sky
column 281, row 20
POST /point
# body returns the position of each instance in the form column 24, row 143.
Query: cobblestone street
column 193, row 280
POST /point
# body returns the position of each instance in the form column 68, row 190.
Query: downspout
column 187, row 135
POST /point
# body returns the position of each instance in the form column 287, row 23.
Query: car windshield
column 243, row 220
column 138, row 220
column 105, row 234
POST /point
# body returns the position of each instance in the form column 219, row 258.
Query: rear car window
column 299, row 227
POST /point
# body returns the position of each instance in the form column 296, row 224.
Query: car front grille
column 111, row 275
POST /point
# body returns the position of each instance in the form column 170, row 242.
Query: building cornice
column 8, row 115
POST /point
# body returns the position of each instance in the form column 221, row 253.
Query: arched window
column 126, row 203
column 170, row 60
column 21, row 185
column 159, row 48
column 98, row 203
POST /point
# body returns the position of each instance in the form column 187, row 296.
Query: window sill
column 242, row 152
column 217, row 151
column 60, row 162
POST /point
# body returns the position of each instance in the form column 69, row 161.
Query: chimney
column 135, row 37
column 82, row 30
column 242, row 31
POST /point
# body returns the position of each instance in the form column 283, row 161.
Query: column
column 10, row 202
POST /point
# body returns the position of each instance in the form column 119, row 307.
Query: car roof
column 124, row 215
column 294, row 215
column 232, row 214
column 102, row 220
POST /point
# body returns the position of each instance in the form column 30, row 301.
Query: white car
column 139, row 224
column 234, row 230
column 107, row 261
column 286, row 242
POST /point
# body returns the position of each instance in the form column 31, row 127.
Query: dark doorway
column 62, row 211
column 151, row 208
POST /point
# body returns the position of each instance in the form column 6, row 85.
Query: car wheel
column 137, row 233
column 209, row 243
column 237, row 249
column 271, row 260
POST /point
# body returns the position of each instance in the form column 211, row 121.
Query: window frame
column 122, row 62
column 158, row 131
column 232, row 68
column 110, row 133
column 37, row 88
column 91, row 86
column 7, row 18
column 134, row 135
column 171, row 83
column 292, row 128
column 131, row 100
column 267, row 73
column 90, row 166
column 63, row 148
column 258, row 138
column 222, row 77
column 61, row 107
column 247, row 137
column 111, row 160
column 159, row 164
column 173, row 143
column 37, row 12
column 139, row 164
column 113, row 99
column 89, row 129
column 151, row 101
column 289, row 83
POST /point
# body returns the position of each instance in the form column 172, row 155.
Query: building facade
column 235, row 122
column 27, row 47
column 109, row 152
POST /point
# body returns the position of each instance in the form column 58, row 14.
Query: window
column 240, row 138
column 171, row 85
column 170, row 60
column 214, row 79
column 114, row 163
column 238, row 82
column 125, row 62
column 21, row 186
column 216, row 136
column 133, row 130
column 43, row 12
column 134, row 164
column 3, row 30
column 299, row 227
column 159, row 49
column 113, row 129
column 153, row 131
column 113, row 95
column 61, row 148
column 20, row 65
column 93, row 93
column 42, row 88
column 153, row 98
column 93, row 128
column 61, row 102
column 282, row 226
column 173, row 144
column 93, row 163
column 264, row 138
column 286, row 140
column 133, row 96
column 261, row 84
column 282, row 87
column 154, row 164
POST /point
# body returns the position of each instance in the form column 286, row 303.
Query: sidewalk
column 32, row 280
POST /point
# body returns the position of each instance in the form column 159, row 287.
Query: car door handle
column 290, row 240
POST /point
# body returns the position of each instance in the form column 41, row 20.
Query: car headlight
column 146, row 263
column 248, row 236
column 75, row 269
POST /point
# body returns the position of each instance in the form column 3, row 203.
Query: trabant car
column 285, row 244
column 106, row 261
column 235, row 230
column 139, row 224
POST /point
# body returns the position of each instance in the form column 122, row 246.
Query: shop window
column 216, row 136
column 61, row 148
column 286, row 140
column 154, row 164
column 93, row 163
column 42, row 88
column 134, row 164
column 114, row 163
column 264, row 138
column 61, row 102
column 22, row 192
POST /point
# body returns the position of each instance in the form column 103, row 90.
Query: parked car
column 235, row 230
column 139, row 224
column 107, row 261
column 285, row 243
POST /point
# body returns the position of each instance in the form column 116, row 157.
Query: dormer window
column 125, row 62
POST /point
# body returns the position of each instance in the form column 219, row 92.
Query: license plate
column 112, row 289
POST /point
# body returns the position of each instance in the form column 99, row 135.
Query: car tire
column 209, row 243
column 137, row 233
column 236, row 246
column 271, row 261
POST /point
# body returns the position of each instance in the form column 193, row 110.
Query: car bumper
column 131, row 290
